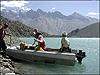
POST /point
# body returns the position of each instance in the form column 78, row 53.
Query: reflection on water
column 90, row 64
column 42, row 68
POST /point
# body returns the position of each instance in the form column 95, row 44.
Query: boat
column 49, row 56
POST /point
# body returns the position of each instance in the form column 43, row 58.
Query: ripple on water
column 90, row 64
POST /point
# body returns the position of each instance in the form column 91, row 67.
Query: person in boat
column 2, row 35
column 39, row 38
column 65, row 43
column 23, row 46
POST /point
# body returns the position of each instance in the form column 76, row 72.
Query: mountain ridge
column 50, row 22
column 89, row 31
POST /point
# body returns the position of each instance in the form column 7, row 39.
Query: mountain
column 50, row 22
column 89, row 31
column 18, row 29
column 77, row 16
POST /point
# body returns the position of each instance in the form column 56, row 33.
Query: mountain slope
column 89, row 31
column 50, row 22
column 18, row 29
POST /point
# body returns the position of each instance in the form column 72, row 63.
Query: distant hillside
column 51, row 22
column 18, row 29
column 89, row 31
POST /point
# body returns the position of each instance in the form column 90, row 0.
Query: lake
column 90, row 64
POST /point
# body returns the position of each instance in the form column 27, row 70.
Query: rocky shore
column 12, row 40
column 7, row 66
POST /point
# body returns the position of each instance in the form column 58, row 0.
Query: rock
column 6, row 66
column 10, row 74
column 7, row 70
column 1, row 69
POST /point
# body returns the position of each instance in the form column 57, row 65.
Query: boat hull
column 42, row 56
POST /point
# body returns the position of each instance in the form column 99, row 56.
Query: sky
column 86, row 8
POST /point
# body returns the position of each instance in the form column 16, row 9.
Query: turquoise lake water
column 90, row 64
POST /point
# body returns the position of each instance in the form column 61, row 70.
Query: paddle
column 34, row 43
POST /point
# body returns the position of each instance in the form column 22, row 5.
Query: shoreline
column 7, row 66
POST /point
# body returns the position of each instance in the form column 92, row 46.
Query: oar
column 34, row 42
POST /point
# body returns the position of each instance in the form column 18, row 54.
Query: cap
column 64, row 34
column 35, row 30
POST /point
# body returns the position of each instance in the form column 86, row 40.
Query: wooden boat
column 50, row 56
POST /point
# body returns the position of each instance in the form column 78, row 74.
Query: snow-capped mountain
column 50, row 22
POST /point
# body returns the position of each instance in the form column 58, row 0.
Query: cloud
column 93, row 14
column 3, row 8
column 25, row 8
column 13, row 3
column 53, row 8
column 16, row 5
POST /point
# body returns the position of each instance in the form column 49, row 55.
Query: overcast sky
column 86, row 8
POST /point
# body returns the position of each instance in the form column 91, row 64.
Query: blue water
column 90, row 64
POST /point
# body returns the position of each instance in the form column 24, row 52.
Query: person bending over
column 41, row 42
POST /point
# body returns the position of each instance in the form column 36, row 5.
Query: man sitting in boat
column 41, row 42
column 65, row 43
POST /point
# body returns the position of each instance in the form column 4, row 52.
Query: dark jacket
column 2, row 34
column 37, row 35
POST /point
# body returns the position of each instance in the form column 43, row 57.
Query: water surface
column 90, row 64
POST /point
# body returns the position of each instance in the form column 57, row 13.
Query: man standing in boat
column 2, row 42
column 40, row 40
column 65, row 43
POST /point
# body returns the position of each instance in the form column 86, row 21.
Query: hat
column 35, row 30
column 64, row 34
